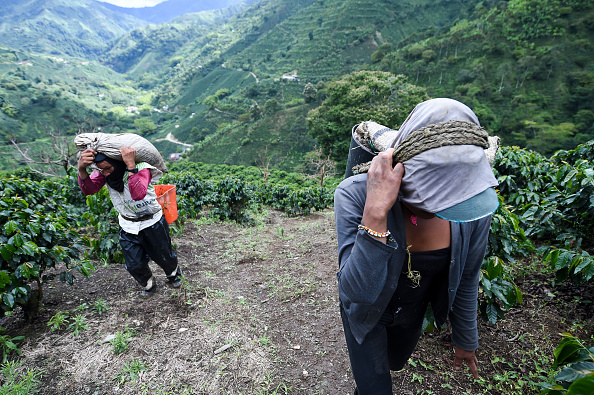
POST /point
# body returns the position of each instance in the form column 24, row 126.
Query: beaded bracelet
column 373, row 232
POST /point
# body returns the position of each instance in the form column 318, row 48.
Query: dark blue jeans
column 153, row 243
column 391, row 342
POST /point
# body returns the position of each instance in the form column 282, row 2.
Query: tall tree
column 361, row 96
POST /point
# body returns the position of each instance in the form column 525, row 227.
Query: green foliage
column 524, row 69
column 577, row 375
column 120, row 341
column 579, row 267
column 8, row 345
column 100, row 306
column 58, row 320
column 550, row 194
column 130, row 371
column 101, row 215
column 145, row 126
column 35, row 237
column 211, row 188
column 15, row 381
column 78, row 324
column 380, row 96
column 547, row 199
column 498, row 288
column 526, row 20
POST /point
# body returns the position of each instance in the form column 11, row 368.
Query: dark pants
column 391, row 342
column 153, row 243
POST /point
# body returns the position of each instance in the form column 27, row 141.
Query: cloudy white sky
column 133, row 3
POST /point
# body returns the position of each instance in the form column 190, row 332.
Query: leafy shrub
column 552, row 198
column 78, row 323
column 120, row 341
column 577, row 376
column 498, row 288
column 16, row 382
column 100, row 306
column 58, row 320
column 579, row 267
column 7, row 344
column 34, row 238
column 101, row 215
column 130, row 371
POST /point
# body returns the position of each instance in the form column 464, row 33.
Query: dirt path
column 170, row 137
column 259, row 314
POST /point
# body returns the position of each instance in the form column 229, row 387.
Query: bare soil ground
column 259, row 315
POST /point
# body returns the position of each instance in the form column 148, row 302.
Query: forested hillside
column 237, row 81
column 79, row 28
column 284, row 46
column 170, row 9
column 525, row 67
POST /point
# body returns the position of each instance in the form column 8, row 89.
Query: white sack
column 110, row 144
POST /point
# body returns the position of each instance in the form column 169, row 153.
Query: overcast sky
column 133, row 3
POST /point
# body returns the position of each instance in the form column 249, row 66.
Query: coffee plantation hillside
column 238, row 84
column 545, row 202
column 43, row 93
column 76, row 28
column 506, row 75
column 541, row 232
column 525, row 67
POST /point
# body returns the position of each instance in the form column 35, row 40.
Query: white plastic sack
column 110, row 144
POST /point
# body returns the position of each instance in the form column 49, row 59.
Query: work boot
column 148, row 292
column 176, row 278
column 150, row 289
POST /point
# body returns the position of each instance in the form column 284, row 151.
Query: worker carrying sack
column 110, row 144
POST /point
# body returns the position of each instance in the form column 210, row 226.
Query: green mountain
column 149, row 48
column 40, row 92
column 238, row 82
column 525, row 67
column 310, row 41
column 79, row 28
column 170, row 9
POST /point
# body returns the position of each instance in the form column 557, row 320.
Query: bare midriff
column 428, row 234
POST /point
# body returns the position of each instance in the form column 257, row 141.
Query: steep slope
column 309, row 40
column 152, row 48
column 527, row 70
column 168, row 10
column 39, row 93
column 80, row 28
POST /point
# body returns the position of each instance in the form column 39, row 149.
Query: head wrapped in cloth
column 445, row 155
column 455, row 182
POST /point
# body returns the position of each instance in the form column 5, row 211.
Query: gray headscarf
column 456, row 178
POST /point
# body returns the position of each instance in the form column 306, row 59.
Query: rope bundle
column 434, row 136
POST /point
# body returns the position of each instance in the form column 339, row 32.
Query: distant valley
column 241, row 78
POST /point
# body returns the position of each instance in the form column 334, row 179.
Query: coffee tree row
column 44, row 223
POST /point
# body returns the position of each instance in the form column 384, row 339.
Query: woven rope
column 373, row 136
column 434, row 136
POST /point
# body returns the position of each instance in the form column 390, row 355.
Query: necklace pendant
column 413, row 220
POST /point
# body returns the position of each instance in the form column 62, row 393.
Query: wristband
column 373, row 232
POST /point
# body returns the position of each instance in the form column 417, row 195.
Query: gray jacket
column 369, row 269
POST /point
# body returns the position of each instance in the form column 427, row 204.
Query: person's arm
column 463, row 316
column 89, row 184
column 364, row 259
column 383, row 185
column 138, row 183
